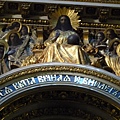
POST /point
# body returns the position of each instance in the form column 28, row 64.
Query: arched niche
column 59, row 91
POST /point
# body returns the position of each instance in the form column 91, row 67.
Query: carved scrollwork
column 25, row 9
column 103, row 14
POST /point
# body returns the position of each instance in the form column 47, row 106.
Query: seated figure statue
column 14, row 26
column 113, row 58
column 71, row 52
column 61, row 32
column 3, row 51
column 58, row 48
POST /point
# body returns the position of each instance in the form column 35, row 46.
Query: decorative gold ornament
column 114, row 63
column 118, row 50
column 110, row 28
column 88, row 48
column 28, row 28
column 18, row 23
column 112, row 41
column 53, row 69
column 6, row 46
column 74, row 18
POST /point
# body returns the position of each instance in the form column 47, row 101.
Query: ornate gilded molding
column 25, row 21
column 39, row 22
column 58, row 68
column 103, row 14
column 99, row 25
column 25, row 9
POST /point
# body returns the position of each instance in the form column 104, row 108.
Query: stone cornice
column 100, row 3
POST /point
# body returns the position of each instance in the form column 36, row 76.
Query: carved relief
column 25, row 9
column 35, row 39
column 103, row 15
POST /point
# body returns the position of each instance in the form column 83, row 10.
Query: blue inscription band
column 56, row 78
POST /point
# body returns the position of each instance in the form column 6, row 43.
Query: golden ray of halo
column 17, row 22
column 28, row 28
column 74, row 18
column 108, row 29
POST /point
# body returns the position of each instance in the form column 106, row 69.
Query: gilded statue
column 25, row 48
column 64, row 22
column 4, row 47
column 14, row 42
column 57, row 48
column 61, row 32
column 99, row 38
column 13, row 27
column 110, row 34
column 113, row 58
column 92, row 52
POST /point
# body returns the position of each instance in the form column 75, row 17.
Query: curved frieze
column 26, row 78
column 63, row 67
column 70, row 91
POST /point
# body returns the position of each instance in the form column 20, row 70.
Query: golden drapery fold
column 57, row 50
column 64, row 53
column 114, row 63
column 62, row 39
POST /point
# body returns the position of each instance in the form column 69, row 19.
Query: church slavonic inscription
column 59, row 79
